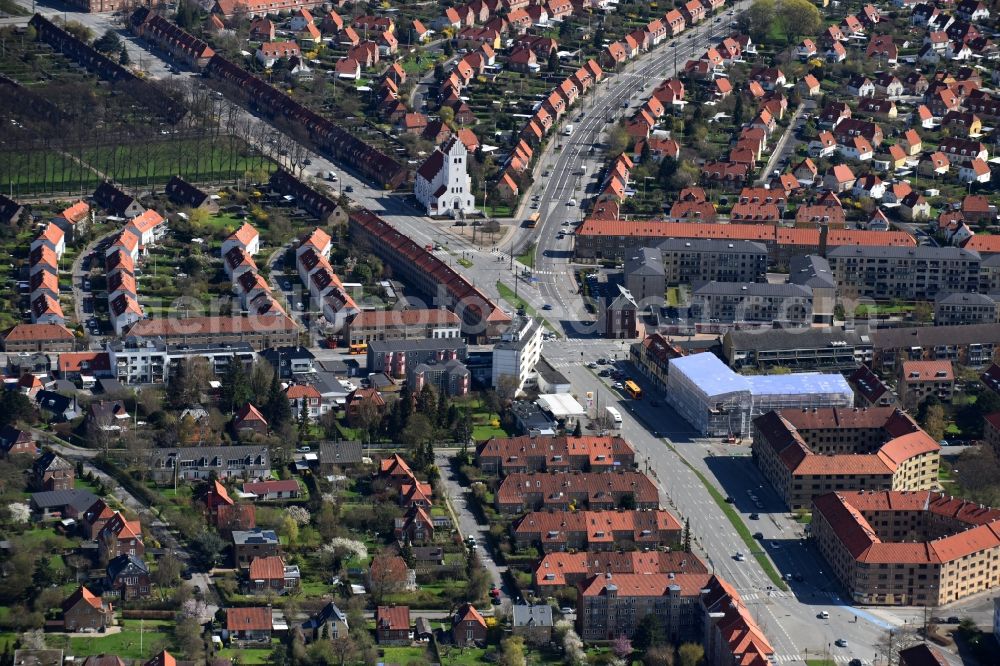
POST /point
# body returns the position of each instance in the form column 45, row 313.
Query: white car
column 571, row 202
column 740, row 557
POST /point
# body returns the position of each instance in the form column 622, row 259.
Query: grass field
column 507, row 294
column 25, row 173
column 136, row 640
column 455, row 656
column 528, row 258
column 403, row 655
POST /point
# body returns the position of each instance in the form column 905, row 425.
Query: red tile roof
column 393, row 618
column 267, row 568
column 248, row 619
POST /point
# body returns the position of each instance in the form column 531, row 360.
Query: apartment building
column 652, row 358
column 562, row 568
column 911, row 274
column 974, row 345
column 918, row 380
column 260, row 332
column 869, row 389
column 752, row 304
column 907, row 548
column 414, row 324
column 154, row 362
column 800, row 349
column 616, row 239
column 202, row 462
column 613, row 605
column 697, row 260
column 805, row 453
column 394, row 356
column 557, row 531
column 960, row 309
column 645, row 277
column 517, row 352
column 991, row 432
column 589, row 453
column 429, row 274
column 597, row 491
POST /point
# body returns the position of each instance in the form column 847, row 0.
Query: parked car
column 755, row 516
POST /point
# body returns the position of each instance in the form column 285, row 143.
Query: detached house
column 248, row 626
column 84, row 611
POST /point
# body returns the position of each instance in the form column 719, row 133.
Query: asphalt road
column 789, row 619
column 566, row 181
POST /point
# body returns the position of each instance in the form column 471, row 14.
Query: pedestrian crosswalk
column 801, row 659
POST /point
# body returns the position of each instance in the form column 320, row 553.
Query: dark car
column 604, row 373
column 754, row 516
column 349, row 188
column 798, row 578
column 954, row 619
column 730, row 499
column 759, row 536
column 855, row 662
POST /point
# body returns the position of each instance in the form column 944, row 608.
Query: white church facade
column 443, row 185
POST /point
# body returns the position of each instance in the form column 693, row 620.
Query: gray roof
column 525, row 329
column 645, row 261
column 712, row 245
column 934, row 336
column 255, row 536
column 548, row 373
column 212, row 456
column 800, row 338
column 714, row 288
column 126, row 563
column 811, row 270
column 958, row 298
column 78, row 498
column 532, row 616
column 920, row 252
column 867, row 383
column 340, row 453
column 423, row 344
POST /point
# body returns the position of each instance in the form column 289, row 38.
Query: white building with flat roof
column 718, row 402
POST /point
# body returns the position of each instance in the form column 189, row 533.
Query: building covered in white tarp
column 560, row 405
column 719, row 402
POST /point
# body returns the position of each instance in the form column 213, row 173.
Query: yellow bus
column 633, row 390
column 359, row 348
column 532, row 221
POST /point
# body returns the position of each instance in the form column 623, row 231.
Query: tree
column 760, row 16
column 934, row 422
column 687, row 536
column 290, row 529
column 168, row 571
column 512, row 652
column 235, row 390
column 622, row 647
column 427, row 401
column 109, row 42
column 650, row 633
column 691, row 654
column 578, row 429
column 187, row 633
column 554, row 61
column 661, row 655
column 123, row 58
column 798, row 17
column 303, row 419
column 738, row 112
column 416, row 434
column 210, row 545
column 277, row 410
column 14, row 407
column 618, row 139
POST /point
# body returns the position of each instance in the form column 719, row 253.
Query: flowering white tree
column 19, row 512
column 298, row 514
column 347, row 547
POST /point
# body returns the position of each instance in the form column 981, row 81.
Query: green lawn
column 256, row 656
column 137, row 640
column 528, row 258
column 507, row 294
column 403, row 655
column 452, row 655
